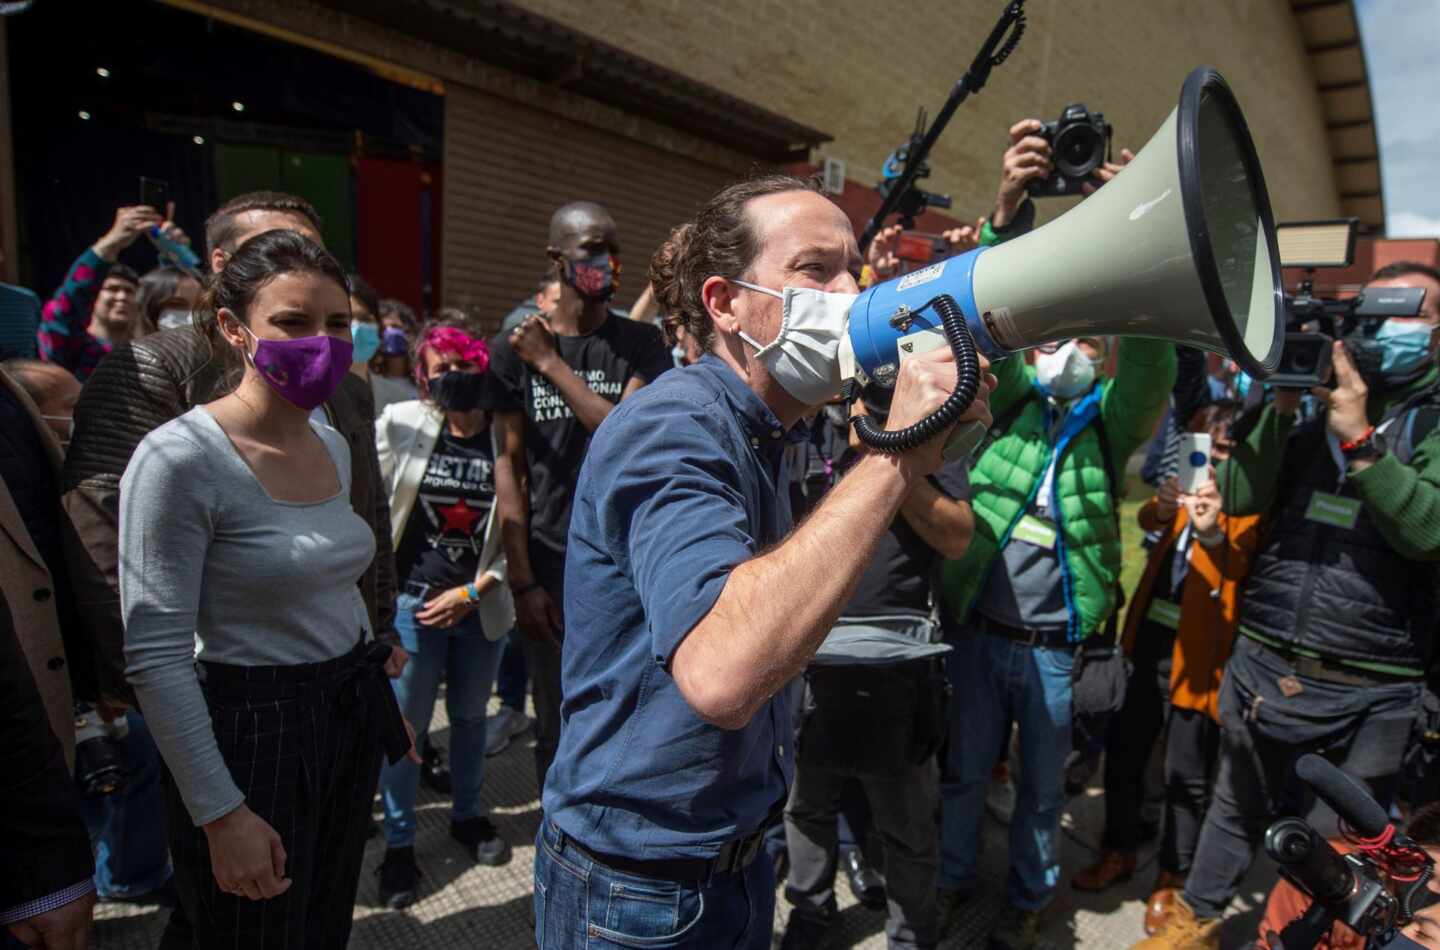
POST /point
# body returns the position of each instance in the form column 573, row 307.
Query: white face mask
column 170, row 319
column 1066, row 373
column 804, row 357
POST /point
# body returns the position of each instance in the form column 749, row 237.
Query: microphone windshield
column 1350, row 800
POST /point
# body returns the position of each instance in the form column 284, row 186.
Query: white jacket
column 405, row 435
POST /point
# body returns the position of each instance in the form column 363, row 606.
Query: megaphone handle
column 964, row 440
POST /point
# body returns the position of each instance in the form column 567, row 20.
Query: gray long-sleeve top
column 213, row 568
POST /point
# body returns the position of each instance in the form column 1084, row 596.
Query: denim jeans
column 513, row 676
column 466, row 660
column 997, row 680
column 127, row 829
column 582, row 904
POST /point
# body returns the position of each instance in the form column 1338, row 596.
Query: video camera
column 1079, row 144
column 1361, row 889
column 1314, row 323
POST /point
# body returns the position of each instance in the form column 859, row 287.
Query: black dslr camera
column 1079, row 144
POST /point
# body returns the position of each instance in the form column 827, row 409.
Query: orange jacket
column 1207, row 624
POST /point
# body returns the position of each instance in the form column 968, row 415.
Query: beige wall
column 858, row 70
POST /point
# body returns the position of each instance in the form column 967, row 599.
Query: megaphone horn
column 1179, row 246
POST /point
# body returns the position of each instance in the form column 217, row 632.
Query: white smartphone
column 1194, row 460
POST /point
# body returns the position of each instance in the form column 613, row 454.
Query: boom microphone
column 1349, row 799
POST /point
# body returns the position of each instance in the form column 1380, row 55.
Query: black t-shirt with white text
column 555, row 440
column 445, row 532
column 897, row 579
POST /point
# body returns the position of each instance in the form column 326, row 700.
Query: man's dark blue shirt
column 683, row 483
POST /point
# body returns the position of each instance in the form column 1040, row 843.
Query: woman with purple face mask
column 246, row 638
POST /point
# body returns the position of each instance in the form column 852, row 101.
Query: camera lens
column 1078, row 150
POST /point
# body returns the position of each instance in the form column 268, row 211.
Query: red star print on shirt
column 459, row 517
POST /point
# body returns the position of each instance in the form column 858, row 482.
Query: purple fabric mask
column 306, row 371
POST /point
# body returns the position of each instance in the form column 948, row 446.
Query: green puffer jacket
column 1007, row 476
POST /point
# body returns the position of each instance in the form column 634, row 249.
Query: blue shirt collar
column 760, row 421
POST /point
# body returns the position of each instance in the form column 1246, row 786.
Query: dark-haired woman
column 438, row 463
column 167, row 299
column 367, row 335
column 246, row 639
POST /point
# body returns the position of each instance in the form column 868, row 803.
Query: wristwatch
column 1367, row 448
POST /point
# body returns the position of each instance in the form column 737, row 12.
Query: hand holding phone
column 1194, row 461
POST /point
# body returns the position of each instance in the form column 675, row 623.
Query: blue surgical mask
column 1404, row 346
column 366, row 337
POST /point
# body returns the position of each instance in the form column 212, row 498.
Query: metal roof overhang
column 1332, row 40
column 505, row 35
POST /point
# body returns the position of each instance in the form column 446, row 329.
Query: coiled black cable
column 967, row 386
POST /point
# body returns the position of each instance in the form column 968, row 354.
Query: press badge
column 1336, row 511
column 1165, row 613
column 1036, row 531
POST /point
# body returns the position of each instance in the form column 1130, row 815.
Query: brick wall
column 859, row 70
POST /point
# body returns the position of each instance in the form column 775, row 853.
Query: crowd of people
column 255, row 517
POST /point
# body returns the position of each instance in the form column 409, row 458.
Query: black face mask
column 456, row 391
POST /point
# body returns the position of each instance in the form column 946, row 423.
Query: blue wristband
column 472, row 593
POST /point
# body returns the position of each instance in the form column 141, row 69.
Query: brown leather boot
column 1168, row 885
column 1112, row 868
column 1183, row 931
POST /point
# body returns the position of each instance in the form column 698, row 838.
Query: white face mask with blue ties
column 804, row 357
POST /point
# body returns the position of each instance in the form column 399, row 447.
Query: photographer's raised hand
column 1346, row 417
column 1027, row 157
column 130, row 223
column 880, row 255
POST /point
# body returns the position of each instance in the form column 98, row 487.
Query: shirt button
column 776, row 433
column 55, row 663
column 42, row 594
column 754, row 443
column 781, row 750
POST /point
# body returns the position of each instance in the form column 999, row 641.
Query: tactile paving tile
column 463, row 905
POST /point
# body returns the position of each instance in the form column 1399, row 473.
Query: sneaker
column 805, row 932
column 1015, row 930
column 1000, row 795
column 399, row 878
column 1183, row 931
column 504, row 726
column 486, row 846
column 433, row 770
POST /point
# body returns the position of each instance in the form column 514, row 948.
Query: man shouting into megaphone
column 690, row 602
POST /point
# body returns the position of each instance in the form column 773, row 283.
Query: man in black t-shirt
column 865, row 719
column 553, row 379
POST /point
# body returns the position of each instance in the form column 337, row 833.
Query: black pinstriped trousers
column 299, row 742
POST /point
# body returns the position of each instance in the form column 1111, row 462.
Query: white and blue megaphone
column 1179, row 246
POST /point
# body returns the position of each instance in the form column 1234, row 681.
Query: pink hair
column 452, row 340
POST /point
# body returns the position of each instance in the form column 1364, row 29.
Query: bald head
column 53, row 389
column 577, row 217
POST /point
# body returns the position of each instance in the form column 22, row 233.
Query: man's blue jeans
column 466, row 660
column 582, row 904
column 995, row 681
column 127, row 829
